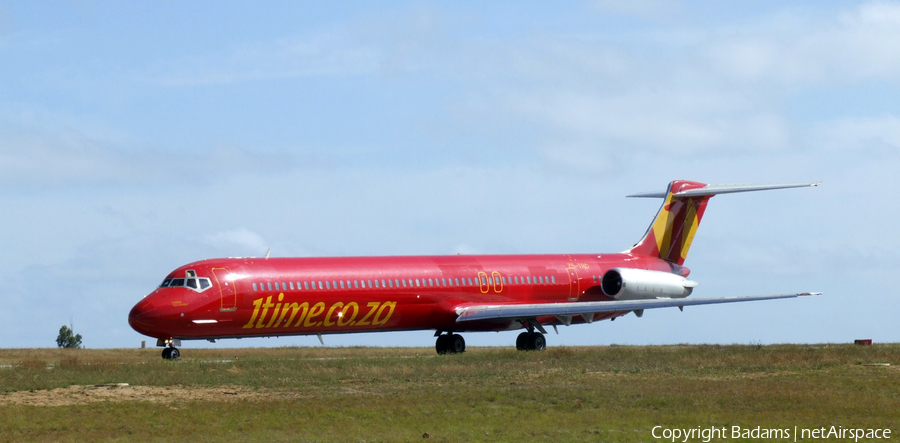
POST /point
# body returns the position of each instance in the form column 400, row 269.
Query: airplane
column 263, row 297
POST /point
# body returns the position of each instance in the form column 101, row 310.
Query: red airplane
column 259, row 297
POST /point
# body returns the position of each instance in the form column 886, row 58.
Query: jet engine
column 636, row 284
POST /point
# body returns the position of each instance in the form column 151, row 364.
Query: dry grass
column 487, row 394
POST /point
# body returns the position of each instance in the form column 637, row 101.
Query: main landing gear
column 531, row 341
column 450, row 343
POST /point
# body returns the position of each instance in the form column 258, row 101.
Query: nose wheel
column 170, row 353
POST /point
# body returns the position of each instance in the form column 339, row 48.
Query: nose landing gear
column 171, row 353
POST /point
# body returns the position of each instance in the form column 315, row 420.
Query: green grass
column 487, row 394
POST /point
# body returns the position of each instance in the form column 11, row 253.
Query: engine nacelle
column 636, row 284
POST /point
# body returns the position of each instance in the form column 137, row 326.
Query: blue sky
column 136, row 137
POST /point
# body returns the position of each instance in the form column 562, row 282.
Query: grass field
column 616, row 393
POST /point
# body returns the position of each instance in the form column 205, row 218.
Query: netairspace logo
column 685, row 435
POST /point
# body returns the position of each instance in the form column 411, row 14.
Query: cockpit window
column 198, row 284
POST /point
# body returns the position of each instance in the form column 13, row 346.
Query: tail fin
column 670, row 235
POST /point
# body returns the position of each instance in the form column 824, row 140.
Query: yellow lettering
column 256, row 304
column 275, row 312
column 328, row 321
column 295, row 308
column 314, row 312
column 365, row 320
column 265, row 307
column 344, row 319
column 380, row 321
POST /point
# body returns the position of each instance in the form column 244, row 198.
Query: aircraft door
column 574, row 285
column 227, row 291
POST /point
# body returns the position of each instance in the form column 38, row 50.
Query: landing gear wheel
column 531, row 341
column 450, row 344
column 441, row 345
column 537, row 342
column 457, row 344
column 521, row 341
column 170, row 353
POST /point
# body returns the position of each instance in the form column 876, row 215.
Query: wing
column 565, row 311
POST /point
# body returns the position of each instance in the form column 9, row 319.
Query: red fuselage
column 244, row 297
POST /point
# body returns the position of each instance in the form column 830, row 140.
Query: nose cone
column 144, row 317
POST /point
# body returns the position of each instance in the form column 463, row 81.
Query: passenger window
column 456, row 280
column 305, row 285
column 342, row 284
column 276, row 286
column 270, row 285
column 321, row 285
column 204, row 283
column 417, row 282
column 553, row 278
column 404, row 282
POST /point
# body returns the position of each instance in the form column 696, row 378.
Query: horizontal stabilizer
column 525, row 311
column 723, row 189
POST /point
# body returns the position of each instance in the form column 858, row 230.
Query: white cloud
column 858, row 44
column 640, row 8
column 876, row 135
column 670, row 121
column 375, row 46
column 54, row 157
column 241, row 238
